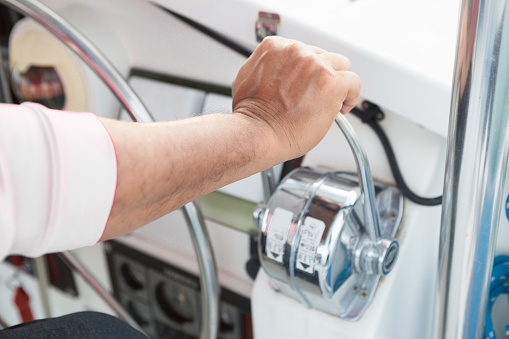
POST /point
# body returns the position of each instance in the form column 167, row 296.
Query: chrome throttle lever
column 376, row 254
column 327, row 237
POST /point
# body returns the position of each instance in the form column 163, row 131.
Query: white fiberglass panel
column 166, row 101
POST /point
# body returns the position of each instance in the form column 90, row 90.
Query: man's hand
column 295, row 90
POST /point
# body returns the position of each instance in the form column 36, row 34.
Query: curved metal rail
column 80, row 45
column 208, row 277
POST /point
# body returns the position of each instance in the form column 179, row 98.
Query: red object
column 17, row 260
column 22, row 301
column 248, row 326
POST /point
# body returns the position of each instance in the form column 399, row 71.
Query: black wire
column 235, row 46
column 370, row 117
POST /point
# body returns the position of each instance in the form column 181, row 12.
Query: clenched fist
column 295, row 91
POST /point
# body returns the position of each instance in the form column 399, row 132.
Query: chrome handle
column 376, row 255
column 371, row 216
column 325, row 239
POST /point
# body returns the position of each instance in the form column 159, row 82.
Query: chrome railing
column 477, row 154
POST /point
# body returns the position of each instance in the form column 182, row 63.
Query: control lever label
column 276, row 236
column 310, row 237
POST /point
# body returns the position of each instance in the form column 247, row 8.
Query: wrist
column 263, row 140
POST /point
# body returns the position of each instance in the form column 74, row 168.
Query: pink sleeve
column 58, row 175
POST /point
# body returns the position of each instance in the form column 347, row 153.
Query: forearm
column 163, row 166
column 285, row 99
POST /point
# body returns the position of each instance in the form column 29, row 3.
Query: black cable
column 235, row 46
column 370, row 116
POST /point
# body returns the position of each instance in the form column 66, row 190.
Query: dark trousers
column 83, row 325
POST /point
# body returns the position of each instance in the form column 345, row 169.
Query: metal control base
column 313, row 245
column 360, row 288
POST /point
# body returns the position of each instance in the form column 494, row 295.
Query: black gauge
column 132, row 276
column 141, row 317
column 227, row 323
column 175, row 302
column 39, row 84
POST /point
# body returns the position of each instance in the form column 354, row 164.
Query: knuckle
column 351, row 83
column 270, row 42
column 310, row 61
column 293, row 50
column 327, row 77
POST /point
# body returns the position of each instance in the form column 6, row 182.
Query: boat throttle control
column 326, row 237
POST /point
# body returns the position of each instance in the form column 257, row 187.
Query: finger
column 317, row 50
column 275, row 41
column 351, row 83
column 337, row 61
column 284, row 42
